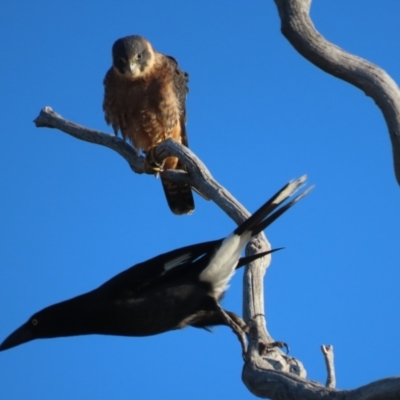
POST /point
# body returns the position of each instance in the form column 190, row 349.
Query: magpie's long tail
column 248, row 259
column 264, row 216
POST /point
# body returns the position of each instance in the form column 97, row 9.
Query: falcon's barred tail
column 179, row 197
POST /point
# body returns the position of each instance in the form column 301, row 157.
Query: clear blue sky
column 73, row 214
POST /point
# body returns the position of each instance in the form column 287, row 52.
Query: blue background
column 73, row 214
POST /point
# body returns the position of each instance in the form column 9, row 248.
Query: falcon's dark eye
column 139, row 56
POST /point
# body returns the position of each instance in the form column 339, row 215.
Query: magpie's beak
column 21, row 335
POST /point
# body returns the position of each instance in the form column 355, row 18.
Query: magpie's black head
column 63, row 319
column 133, row 56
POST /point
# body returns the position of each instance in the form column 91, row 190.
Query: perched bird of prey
column 144, row 98
column 171, row 291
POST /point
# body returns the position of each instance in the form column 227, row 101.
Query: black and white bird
column 171, row 291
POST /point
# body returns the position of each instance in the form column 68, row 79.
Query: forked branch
column 269, row 374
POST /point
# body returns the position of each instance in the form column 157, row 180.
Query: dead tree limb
column 198, row 175
column 269, row 373
column 327, row 351
column 299, row 30
column 297, row 27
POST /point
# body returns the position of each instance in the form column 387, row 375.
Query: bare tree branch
column 198, row 175
column 327, row 351
column 269, row 373
column 200, row 178
column 298, row 28
column 284, row 386
column 50, row 119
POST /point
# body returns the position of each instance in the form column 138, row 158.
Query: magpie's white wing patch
column 177, row 261
column 223, row 264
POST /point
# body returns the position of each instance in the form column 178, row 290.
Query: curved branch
column 273, row 374
column 298, row 28
column 282, row 386
column 47, row 118
column 197, row 176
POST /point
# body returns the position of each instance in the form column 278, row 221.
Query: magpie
column 170, row 291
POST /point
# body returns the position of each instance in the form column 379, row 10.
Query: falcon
column 170, row 291
column 144, row 98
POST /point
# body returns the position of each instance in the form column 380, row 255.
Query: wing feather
column 150, row 272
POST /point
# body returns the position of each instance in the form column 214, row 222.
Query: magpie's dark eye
column 139, row 56
column 34, row 321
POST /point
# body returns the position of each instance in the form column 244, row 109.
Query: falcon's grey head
column 133, row 56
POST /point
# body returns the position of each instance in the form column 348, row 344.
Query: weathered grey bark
column 272, row 375
column 298, row 28
column 327, row 351
column 275, row 375
column 198, row 175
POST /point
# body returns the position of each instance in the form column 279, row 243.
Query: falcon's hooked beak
column 132, row 66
